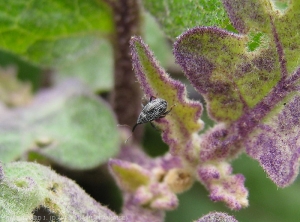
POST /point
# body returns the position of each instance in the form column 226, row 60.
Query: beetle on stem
column 156, row 108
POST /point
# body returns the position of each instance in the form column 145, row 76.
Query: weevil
column 156, row 108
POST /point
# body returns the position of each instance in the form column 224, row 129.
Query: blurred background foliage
column 61, row 49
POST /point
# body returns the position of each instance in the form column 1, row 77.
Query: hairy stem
column 126, row 96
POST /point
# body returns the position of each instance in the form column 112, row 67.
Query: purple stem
column 291, row 80
column 126, row 96
column 280, row 51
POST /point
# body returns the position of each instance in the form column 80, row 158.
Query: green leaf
column 27, row 187
column 93, row 63
column 220, row 65
column 67, row 124
column 179, row 15
column 60, row 34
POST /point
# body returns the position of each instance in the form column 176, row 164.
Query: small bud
column 179, row 180
column 129, row 176
column 159, row 174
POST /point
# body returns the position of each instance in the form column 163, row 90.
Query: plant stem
column 126, row 96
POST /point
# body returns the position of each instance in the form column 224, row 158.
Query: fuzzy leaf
column 275, row 143
column 129, row 176
column 59, row 34
column 219, row 66
column 286, row 26
column 217, row 217
column 179, row 15
column 28, row 187
column 224, row 186
column 248, row 16
column 93, row 63
column 67, row 124
column 247, row 79
column 183, row 121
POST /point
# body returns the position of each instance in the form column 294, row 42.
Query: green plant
column 242, row 57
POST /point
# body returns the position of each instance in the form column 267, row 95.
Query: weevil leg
column 164, row 114
column 135, row 126
column 154, row 126
column 152, row 97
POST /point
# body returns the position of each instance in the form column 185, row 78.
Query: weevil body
column 155, row 109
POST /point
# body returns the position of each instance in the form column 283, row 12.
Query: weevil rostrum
column 156, row 108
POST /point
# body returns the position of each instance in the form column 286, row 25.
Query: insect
column 156, row 108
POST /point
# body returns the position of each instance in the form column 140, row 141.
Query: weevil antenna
column 134, row 127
